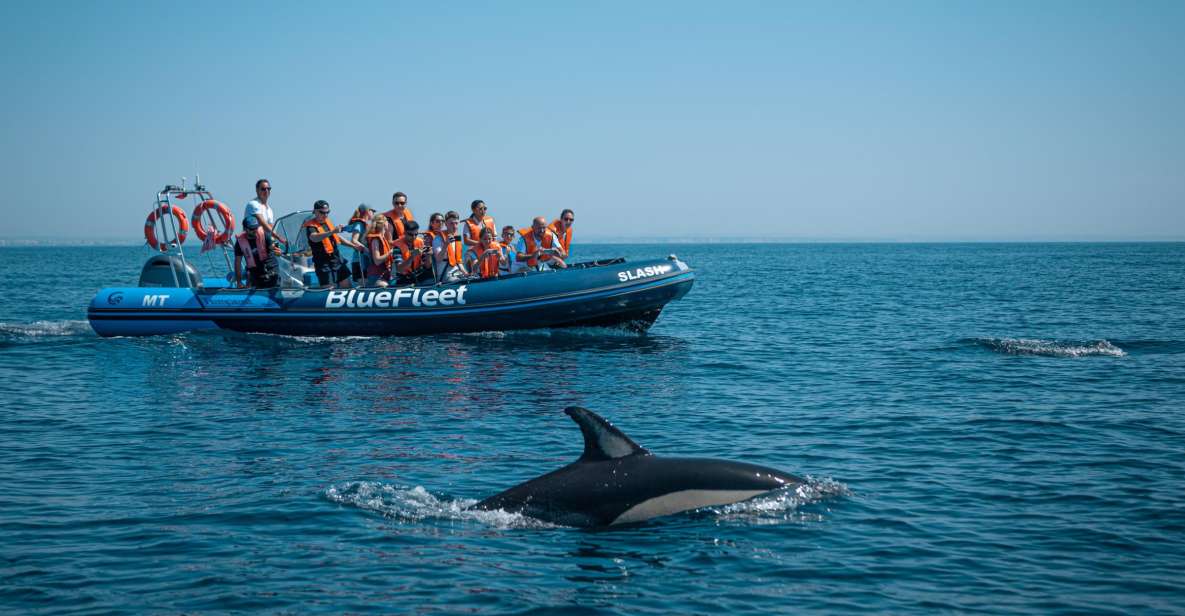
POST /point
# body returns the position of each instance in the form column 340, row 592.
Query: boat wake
column 44, row 329
column 1048, row 348
column 583, row 331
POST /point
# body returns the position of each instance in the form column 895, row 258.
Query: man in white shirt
column 261, row 211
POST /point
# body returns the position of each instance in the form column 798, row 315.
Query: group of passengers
column 390, row 249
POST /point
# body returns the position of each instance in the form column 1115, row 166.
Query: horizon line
column 9, row 242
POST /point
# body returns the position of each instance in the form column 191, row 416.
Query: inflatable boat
column 172, row 297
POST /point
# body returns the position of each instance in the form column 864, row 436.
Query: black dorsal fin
column 601, row 440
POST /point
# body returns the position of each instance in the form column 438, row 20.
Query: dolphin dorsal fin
column 601, row 440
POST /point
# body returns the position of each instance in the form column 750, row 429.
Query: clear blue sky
column 861, row 120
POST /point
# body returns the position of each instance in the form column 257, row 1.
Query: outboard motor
column 169, row 271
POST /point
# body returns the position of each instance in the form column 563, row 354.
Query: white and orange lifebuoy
column 228, row 221
column 165, row 210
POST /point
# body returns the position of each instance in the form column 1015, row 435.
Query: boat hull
column 629, row 295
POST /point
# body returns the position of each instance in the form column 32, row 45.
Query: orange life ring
column 150, row 224
column 228, row 221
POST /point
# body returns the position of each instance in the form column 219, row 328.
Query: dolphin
column 615, row 481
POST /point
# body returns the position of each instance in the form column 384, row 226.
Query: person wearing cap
column 258, row 209
column 359, row 259
column 255, row 247
column 324, row 241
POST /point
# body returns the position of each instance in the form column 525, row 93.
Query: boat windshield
column 289, row 226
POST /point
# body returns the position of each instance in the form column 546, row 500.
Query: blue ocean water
column 988, row 428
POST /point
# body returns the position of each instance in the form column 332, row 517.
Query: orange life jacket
column 416, row 257
column 488, row 259
column 244, row 240
column 330, row 241
column 396, row 226
column 453, row 249
column 386, row 247
column 475, row 229
column 566, row 238
column 529, row 237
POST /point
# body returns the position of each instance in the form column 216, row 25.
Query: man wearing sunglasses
column 323, row 241
column 258, row 209
column 397, row 216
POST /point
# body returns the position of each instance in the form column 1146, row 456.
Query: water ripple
column 1048, row 348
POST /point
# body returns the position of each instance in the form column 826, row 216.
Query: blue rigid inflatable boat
column 172, row 297
column 601, row 293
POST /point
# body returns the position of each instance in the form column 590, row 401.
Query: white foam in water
column 595, row 331
column 1052, row 348
column 417, row 504
column 47, row 328
column 312, row 339
column 783, row 505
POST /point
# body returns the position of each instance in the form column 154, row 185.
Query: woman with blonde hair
column 378, row 274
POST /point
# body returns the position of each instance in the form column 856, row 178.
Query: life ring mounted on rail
column 165, row 210
column 228, row 221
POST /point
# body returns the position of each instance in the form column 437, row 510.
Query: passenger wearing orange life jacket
column 378, row 273
column 411, row 256
column 447, row 249
column 398, row 215
column 487, row 257
column 539, row 246
column 471, row 230
column 323, row 241
column 255, row 246
column 562, row 227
